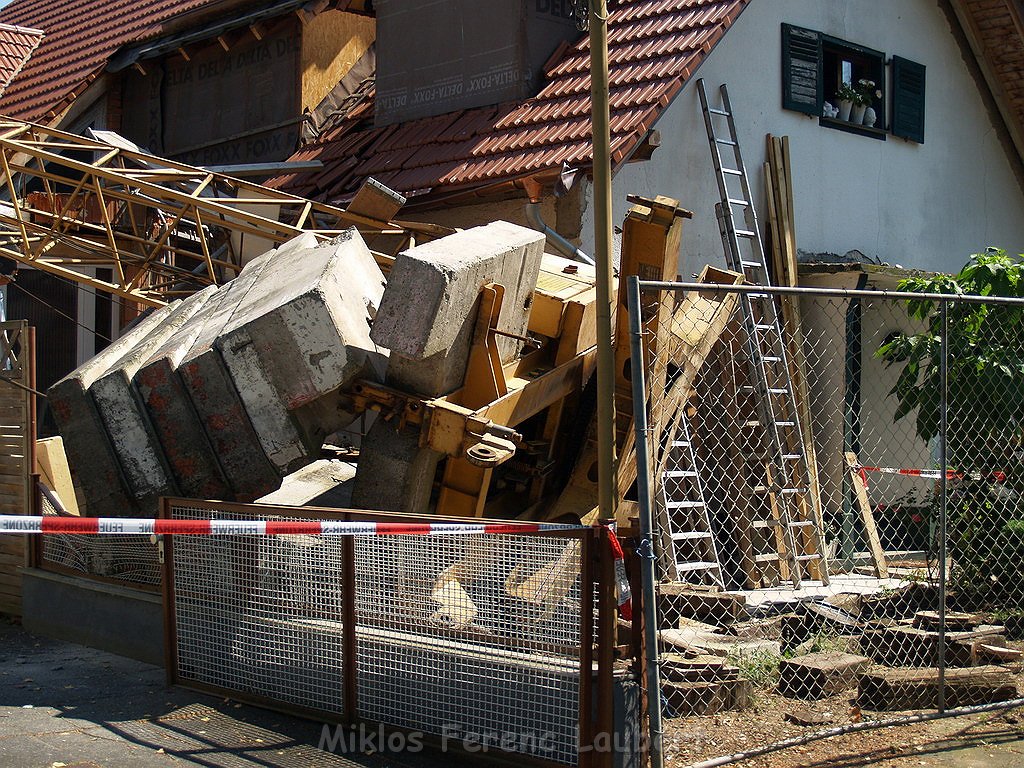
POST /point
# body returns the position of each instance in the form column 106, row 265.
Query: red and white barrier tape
column 625, row 594
column 928, row 474
column 148, row 527
column 128, row 526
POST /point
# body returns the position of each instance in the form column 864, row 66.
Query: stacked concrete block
column 427, row 317
column 124, row 414
column 211, row 392
column 301, row 333
column 429, row 309
column 90, row 452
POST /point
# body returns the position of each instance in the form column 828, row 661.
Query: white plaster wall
column 927, row 206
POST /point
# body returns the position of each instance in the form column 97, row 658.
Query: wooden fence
column 17, row 450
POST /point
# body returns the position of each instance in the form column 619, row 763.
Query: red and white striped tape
column 928, row 474
column 148, row 527
column 625, row 593
column 129, row 526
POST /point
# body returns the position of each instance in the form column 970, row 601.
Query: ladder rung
column 680, row 473
column 716, row 111
column 765, row 524
column 772, row 359
column 785, row 423
column 696, row 566
column 792, row 456
column 680, row 443
column 745, row 233
column 738, row 201
column 690, row 536
column 751, row 264
column 805, row 558
column 764, row 327
column 732, row 171
column 684, row 504
column 793, row 491
column 766, row 558
column 727, row 142
column 801, row 524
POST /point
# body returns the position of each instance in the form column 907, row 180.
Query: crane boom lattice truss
column 163, row 228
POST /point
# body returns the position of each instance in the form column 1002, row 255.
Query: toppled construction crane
column 472, row 347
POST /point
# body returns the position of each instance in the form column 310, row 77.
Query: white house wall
column 927, row 206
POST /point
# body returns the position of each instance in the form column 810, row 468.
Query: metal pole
column 647, row 553
column 943, row 495
column 606, row 480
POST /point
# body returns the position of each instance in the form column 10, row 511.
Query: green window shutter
column 908, row 99
column 801, row 70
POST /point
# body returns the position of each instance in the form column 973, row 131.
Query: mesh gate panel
column 422, row 601
column 799, row 522
column 471, row 638
column 260, row 615
column 133, row 561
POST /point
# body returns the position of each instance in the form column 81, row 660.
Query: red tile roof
column 654, row 46
column 16, row 45
column 80, row 35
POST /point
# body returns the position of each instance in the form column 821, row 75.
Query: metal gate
column 473, row 640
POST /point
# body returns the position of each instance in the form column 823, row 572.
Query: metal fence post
column 647, row 553
column 349, row 619
column 943, row 494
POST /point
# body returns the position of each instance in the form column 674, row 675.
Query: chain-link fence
column 489, row 642
column 837, row 509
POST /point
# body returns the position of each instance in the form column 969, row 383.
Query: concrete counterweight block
column 300, row 334
column 123, row 413
column 429, row 308
column 426, row 319
column 191, row 459
column 211, row 394
column 90, row 453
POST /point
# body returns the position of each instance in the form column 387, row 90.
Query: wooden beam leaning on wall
column 778, row 177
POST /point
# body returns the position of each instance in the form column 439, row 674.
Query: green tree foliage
column 985, row 413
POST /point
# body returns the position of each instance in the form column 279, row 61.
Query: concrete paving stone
column 124, row 414
column 301, row 333
column 90, row 453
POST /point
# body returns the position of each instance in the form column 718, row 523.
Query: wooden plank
column 867, row 516
column 820, row 675
column 884, row 689
column 780, row 182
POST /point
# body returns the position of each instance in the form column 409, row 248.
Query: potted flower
column 866, row 93
column 846, row 96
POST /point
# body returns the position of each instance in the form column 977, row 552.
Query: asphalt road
column 67, row 706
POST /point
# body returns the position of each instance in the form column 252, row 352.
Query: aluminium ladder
column 687, row 537
column 782, row 479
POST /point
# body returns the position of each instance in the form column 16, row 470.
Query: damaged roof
column 16, row 45
column 80, row 35
column 654, row 46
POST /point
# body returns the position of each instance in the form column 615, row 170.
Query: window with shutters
column 815, row 66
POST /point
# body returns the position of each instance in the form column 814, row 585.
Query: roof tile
column 79, row 37
column 16, row 45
